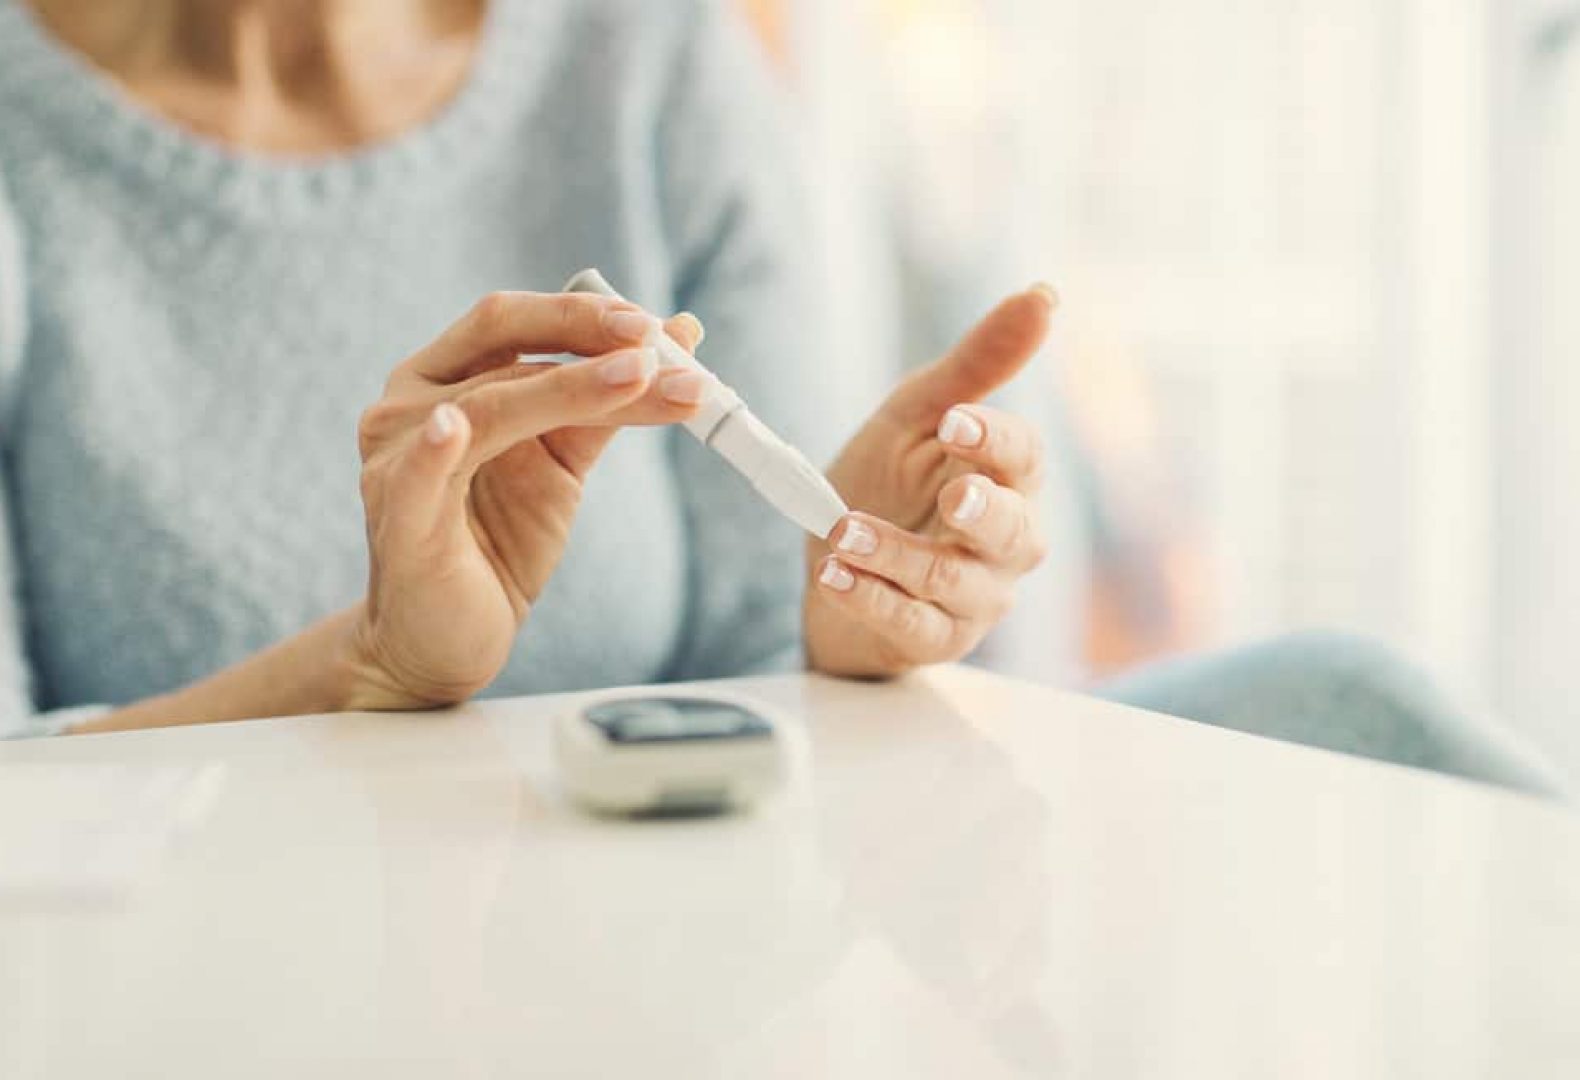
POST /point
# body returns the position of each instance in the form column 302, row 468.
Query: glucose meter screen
column 644, row 720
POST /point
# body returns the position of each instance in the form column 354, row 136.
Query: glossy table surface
column 971, row 878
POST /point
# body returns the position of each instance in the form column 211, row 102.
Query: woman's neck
column 280, row 76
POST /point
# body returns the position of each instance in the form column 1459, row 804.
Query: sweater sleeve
column 18, row 716
column 730, row 203
column 16, row 708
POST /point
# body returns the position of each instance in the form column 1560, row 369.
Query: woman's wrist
column 327, row 668
column 362, row 680
column 353, row 681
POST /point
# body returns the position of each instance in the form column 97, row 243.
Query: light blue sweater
column 187, row 336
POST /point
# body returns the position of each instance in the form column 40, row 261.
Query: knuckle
column 567, row 391
column 938, row 639
column 491, row 314
column 1018, row 540
column 942, row 576
column 573, row 312
column 919, row 647
column 897, row 657
column 374, row 485
column 909, row 624
column 480, row 410
column 565, row 309
column 877, row 601
column 375, row 426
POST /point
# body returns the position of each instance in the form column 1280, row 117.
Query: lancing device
column 779, row 472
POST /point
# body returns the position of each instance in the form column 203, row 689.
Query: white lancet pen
column 781, row 474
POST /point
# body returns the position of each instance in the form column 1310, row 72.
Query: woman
column 224, row 222
column 227, row 219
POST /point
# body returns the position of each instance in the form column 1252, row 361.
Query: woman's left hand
column 944, row 524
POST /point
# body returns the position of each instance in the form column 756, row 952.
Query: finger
column 1004, row 446
column 414, row 488
column 504, row 325
column 926, row 568
column 686, row 331
column 674, row 397
column 915, row 631
column 674, row 393
column 997, row 523
column 991, row 354
column 571, row 395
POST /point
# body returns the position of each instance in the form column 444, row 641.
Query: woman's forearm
column 316, row 671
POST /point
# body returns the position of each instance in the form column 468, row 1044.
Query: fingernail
column 836, row 577
column 1047, row 292
column 973, row 504
column 442, row 423
column 857, row 539
column 701, row 332
column 960, row 428
column 682, row 387
column 625, row 368
column 628, row 325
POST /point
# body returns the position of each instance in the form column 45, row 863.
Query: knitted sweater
column 189, row 333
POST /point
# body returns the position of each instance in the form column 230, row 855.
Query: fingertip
column 841, row 527
column 991, row 354
column 683, row 387
column 446, row 424
column 1020, row 323
column 624, row 321
column 656, row 411
column 962, row 428
column 679, row 414
column 686, row 330
column 853, row 536
column 701, row 332
column 964, row 500
column 629, row 370
column 835, row 576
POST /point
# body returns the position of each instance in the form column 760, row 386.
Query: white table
column 979, row 879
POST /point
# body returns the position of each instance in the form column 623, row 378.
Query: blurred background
column 1319, row 357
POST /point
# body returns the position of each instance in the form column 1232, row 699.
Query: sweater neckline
column 85, row 105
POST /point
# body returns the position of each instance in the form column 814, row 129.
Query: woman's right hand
column 472, row 469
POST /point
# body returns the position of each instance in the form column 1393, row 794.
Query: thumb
column 990, row 355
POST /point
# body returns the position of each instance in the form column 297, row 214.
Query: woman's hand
column 472, row 469
column 944, row 525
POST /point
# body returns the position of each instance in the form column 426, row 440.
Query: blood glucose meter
column 669, row 754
